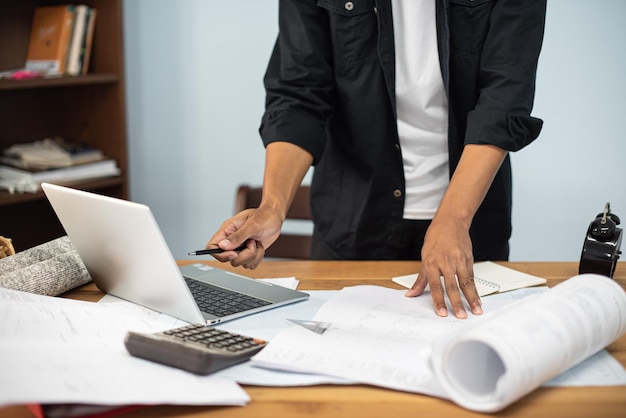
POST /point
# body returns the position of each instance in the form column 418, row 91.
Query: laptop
column 126, row 255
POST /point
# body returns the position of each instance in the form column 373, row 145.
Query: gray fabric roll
column 48, row 269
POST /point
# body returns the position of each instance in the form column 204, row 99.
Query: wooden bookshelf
column 89, row 109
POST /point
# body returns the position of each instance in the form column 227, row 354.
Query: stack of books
column 23, row 167
column 60, row 40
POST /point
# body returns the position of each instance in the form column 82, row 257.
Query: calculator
column 196, row 348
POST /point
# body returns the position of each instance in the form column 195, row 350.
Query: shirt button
column 397, row 193
column 349, row 5
column 397, row 147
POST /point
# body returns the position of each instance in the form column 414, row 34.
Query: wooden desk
column 362, row 401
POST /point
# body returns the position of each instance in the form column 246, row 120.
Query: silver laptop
column 126, row 255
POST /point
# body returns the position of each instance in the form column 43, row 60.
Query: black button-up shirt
column 330, row 87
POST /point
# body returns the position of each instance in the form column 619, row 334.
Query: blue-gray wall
column 194, row 73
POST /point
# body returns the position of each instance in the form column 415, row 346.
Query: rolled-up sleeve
column 299, row 79
column 507, row 77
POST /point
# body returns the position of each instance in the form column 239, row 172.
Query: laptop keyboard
column 221, row 302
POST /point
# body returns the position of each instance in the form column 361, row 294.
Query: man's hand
column 447, row 260
column 285, row 167
column 257, row 228
column 447, row 267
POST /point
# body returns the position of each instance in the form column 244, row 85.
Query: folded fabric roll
column 48, row 269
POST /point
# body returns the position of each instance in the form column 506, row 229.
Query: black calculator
column 197, row 348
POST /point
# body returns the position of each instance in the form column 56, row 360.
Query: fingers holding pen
column 250, row 257
column 255, row 229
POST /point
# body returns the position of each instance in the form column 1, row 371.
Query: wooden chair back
column 289, row 244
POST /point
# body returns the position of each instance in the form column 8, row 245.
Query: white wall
column 195, row 98
column 563, row 180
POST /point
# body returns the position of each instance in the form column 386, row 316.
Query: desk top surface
column 353, row 401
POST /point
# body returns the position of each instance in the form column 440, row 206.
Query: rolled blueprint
column 48, row 269
column 495, row 362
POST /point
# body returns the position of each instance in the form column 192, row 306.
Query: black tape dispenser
column 601, row 249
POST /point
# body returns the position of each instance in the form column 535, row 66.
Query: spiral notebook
column 489, row 278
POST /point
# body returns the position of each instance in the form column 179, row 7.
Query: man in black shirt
column 345, row 94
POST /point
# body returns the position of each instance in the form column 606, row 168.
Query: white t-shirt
column 422, row 107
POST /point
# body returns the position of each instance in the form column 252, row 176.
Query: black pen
column 216, row 250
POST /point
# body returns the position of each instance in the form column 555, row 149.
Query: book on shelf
column 21, row 181
column 54, row 152
column 76, row 41
column 49, row 39
column 61, row 39
column 87, row 41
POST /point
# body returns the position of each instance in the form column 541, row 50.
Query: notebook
column 127, row 256
column 489, row 278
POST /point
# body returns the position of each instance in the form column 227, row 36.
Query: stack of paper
column 380, row 337
column 25, row 166
column 85, row 361
column 16, row 180
column 49, row 153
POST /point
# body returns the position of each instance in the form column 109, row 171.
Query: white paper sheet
column 492, row 363
column 600, row 369
column 380, row 337
column 267, row 325
column 55, row 350
column 264, row 325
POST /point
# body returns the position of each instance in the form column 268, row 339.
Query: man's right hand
column 257, row 228
column 285, row 166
